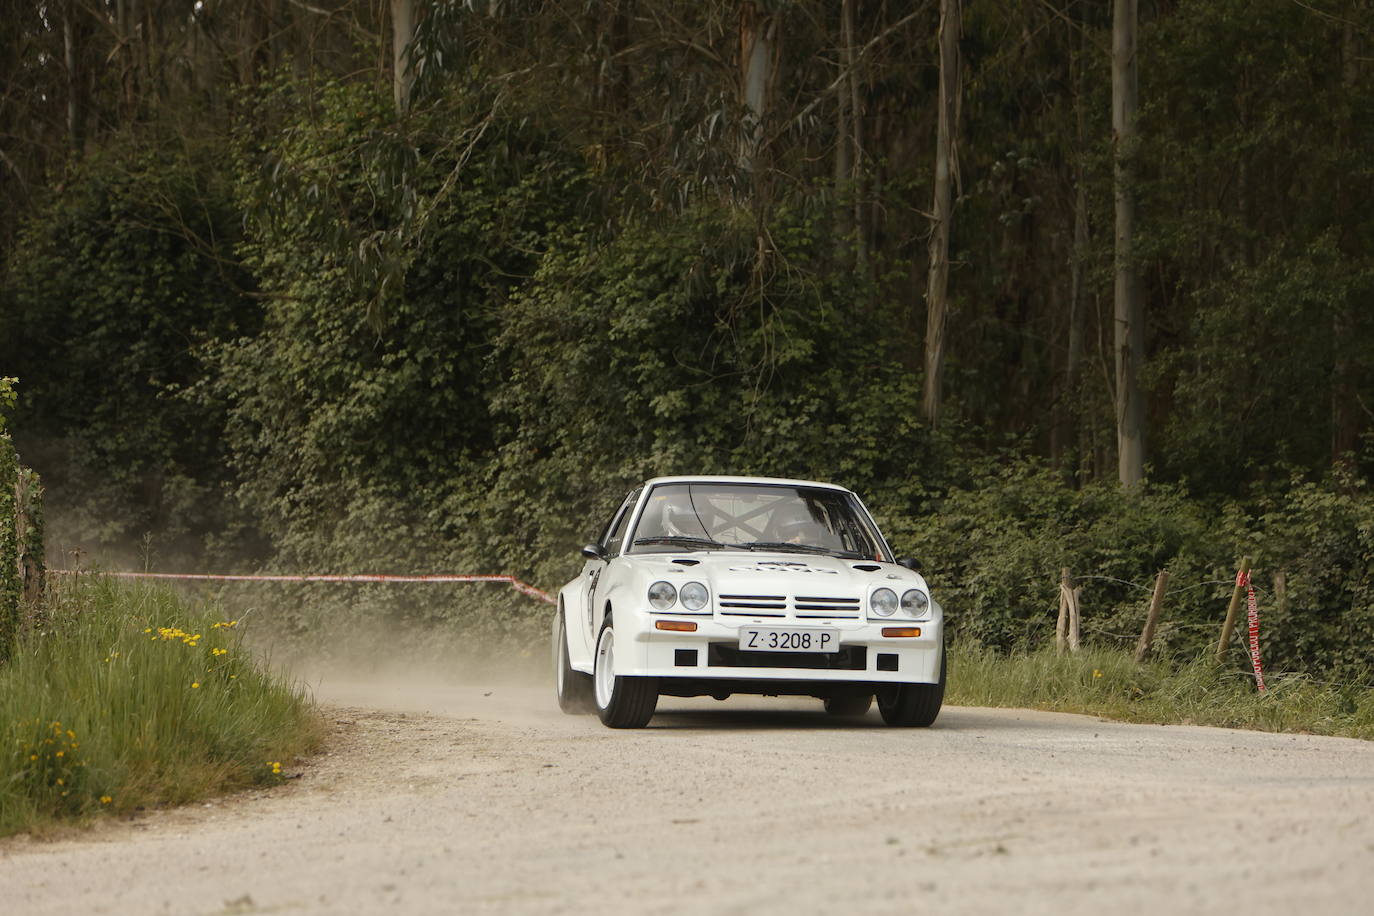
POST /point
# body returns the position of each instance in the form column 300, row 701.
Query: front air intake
column 727, row 655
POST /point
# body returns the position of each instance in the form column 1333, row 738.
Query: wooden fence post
column 1061, row 627
column 1075, row 620
column 28, row 499
column 1232, row 610
column 1067, row 629
column 9, row 546
column 1147, row 635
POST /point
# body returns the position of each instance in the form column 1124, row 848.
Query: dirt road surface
column 488, row 800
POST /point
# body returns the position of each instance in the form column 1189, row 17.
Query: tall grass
column 1109, row 683
column 130, row 697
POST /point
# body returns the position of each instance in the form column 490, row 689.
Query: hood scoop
column 867, row 567
column 683, row 561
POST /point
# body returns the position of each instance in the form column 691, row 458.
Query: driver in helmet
column 794, row 524
column 680, row 521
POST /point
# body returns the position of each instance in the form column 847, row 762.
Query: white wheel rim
column 605, row 668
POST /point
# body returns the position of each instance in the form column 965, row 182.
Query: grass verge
column 1108, row 683
column 130, row 697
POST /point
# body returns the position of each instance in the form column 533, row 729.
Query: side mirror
column 594, row 552
column 910, row 563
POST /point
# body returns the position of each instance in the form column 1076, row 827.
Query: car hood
column 785, row 573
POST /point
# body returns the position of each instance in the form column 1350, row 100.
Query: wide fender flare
column 579, row 651
column 632, row 628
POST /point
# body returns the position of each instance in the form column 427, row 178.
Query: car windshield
column 791, row 519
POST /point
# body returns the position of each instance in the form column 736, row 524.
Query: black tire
column 848, row 704
column 913, row 705
column 621, row 702
column 574, row 688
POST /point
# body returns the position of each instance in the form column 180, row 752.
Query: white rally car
column 708, row 586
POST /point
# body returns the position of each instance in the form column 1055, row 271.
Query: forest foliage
column 264, row 317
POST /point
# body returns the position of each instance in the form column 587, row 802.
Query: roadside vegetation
column 127, row 697
column 1109, row 683
column 287, row 304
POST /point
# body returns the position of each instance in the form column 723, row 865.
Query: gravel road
column 441, row 799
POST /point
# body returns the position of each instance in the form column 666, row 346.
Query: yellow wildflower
column 1096, row 673
column 195, row 684
column 105, row 799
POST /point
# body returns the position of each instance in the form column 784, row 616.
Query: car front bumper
column 713, row 651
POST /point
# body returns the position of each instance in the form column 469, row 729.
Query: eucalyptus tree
column 946, row 170
column 1129, row 312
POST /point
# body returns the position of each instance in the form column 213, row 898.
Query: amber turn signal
column 901, row 631
column 681, row 626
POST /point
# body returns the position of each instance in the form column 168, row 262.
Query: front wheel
column 848, row 704
column 621, row 702
column 913, row 705
column 574, row 688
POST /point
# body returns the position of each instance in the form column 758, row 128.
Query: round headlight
column 662, row 595
column 915, row 602
column 883, row 602
column 694, row 596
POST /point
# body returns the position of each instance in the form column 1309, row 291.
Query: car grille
column 801, row 606
column 827, row 608
column 752, row 605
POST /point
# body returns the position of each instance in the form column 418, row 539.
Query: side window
column 612, row 540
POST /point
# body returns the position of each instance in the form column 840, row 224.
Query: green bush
column 132, row 698
column 993, row 551
column 117, row 279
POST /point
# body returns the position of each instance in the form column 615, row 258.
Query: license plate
column 788, row 639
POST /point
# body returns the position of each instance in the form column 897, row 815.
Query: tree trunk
column 946, row 166
column 1346, row 425
column 1078, row 259
column 855, row 138
column 758, row 59
column 402, row 31
column 1130, row 324
column 844, row 220
column 76, row 104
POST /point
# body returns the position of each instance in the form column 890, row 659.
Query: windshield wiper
column 680, row 540
column 787, row 546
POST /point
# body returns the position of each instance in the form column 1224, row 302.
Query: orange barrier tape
column 1252, row 613
column 523, row 588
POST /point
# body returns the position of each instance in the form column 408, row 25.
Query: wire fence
column 1106, row 630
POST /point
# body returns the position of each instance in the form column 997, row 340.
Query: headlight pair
column 693, row 595
column 884, row 603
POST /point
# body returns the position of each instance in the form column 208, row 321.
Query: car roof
column 767, row 481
